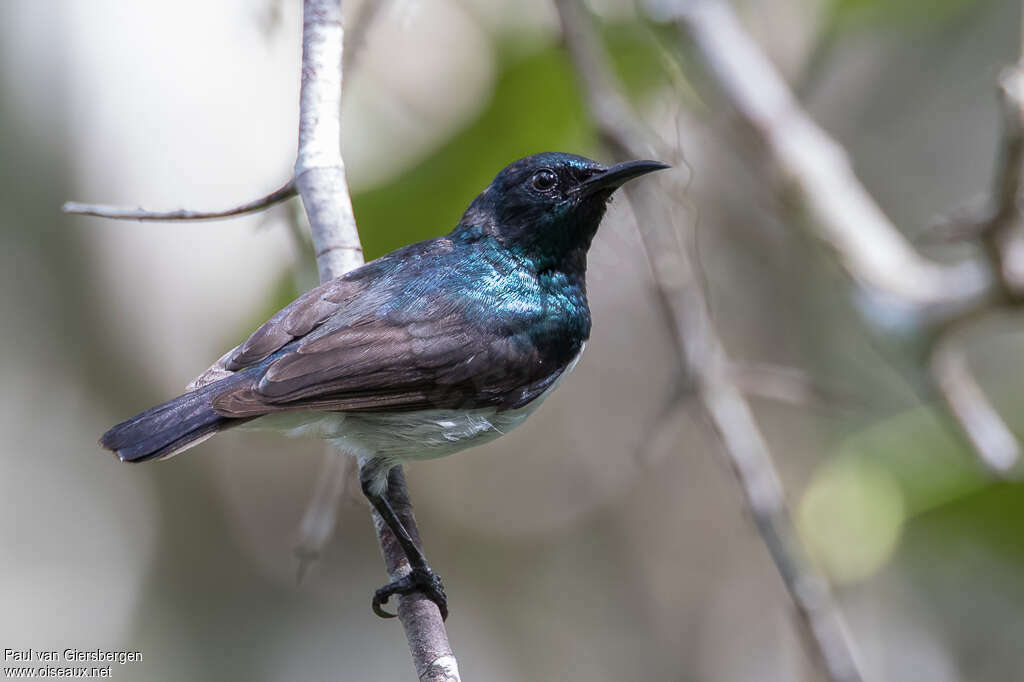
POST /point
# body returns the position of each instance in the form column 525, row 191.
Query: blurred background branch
column 818, row 183
column 663, row 232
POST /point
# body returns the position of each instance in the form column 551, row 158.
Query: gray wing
column 376, row 365
column 293, row 321
column 331, row 349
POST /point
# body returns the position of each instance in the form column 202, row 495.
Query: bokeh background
column 604, row 540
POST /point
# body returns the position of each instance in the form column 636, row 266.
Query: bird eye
column 543, row 180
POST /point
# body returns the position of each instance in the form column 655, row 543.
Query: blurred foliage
column 991, row 517
column 928, row 458
column 851, row 516
column 911, row 468
column 964, row 560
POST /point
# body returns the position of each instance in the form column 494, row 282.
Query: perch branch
column 703, row 352
column 320, row 178
column 283, row 193
column 319, row 169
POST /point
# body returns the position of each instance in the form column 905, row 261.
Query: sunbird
column 438, row 346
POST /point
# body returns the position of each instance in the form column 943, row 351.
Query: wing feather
column 385, row 367
column 390, row 336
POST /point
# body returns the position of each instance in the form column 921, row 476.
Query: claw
column 419, row 580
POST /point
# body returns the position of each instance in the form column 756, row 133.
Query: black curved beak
column 618, row 175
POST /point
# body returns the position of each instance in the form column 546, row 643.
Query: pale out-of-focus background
column 579, row 547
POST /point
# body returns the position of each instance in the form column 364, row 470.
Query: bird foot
column 421, row 580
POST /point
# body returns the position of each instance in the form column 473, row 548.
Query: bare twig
column 283, row 193
column 320, row 178
column 704, row 355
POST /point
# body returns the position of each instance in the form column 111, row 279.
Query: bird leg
column 421, row 578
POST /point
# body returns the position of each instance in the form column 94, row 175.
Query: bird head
column 548, row 206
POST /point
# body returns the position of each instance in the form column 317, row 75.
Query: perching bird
column 433, row 348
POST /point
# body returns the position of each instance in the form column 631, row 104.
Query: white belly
column 401, row 436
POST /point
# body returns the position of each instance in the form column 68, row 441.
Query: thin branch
column 616, row 125
column 320, row 178
column 283, row 193
column 704, row 354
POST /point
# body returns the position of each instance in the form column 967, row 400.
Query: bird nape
column 433, row 348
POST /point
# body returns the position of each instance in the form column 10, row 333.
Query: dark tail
column 165, row 430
